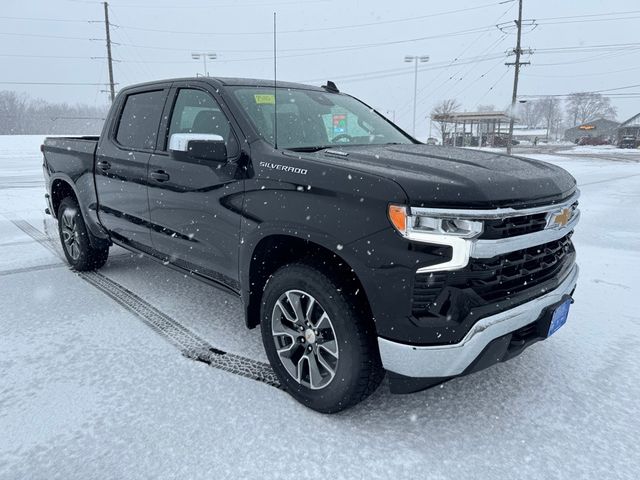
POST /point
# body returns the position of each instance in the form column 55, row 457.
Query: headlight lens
column 419, row 227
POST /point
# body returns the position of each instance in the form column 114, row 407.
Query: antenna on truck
column 275, row 89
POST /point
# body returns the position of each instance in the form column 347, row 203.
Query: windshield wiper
column 308, row 149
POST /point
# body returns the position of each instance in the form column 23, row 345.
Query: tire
column 82, row 252
column 342, row 342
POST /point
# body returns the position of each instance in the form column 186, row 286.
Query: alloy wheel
column 305, row 339
column 70, row 233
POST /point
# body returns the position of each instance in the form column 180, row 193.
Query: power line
column 589, row 59
column 461, row 71
column 401, row 71
column 27, row 56
column 589, row 15
column 604, row 90
column 591, row 74
column 494, row 85
column 614, row 47
column 138, row 60
column 567, row 22
column 42, row 19
column 571, row 19
column 320, row 29
column 38, row 35
column 217, row 5
column 332, row 49
column 467, row 72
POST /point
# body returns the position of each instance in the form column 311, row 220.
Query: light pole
column 204, row 56
column 415, row 59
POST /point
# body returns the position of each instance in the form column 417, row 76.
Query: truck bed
column 70, row 161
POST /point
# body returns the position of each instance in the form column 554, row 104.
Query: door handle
column 160, row 176
column 102, row 165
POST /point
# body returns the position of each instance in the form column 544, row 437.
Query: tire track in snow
column 188, row 342
column 36, row 268
column 606, row 180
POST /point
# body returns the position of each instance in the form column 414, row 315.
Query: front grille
column 514, row 226
column 511, row 227
column 509, row 274
column 489, row 280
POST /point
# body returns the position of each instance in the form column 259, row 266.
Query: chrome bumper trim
column 450, row 360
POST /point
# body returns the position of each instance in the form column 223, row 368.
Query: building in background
column 629, row 131
column 523, row 133
column 601, row 129
column 474, row 129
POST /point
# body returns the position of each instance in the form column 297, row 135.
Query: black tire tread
column 371, row 372
column 94, row 255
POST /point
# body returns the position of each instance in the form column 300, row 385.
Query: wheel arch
column 60, row 189
column 274, row 251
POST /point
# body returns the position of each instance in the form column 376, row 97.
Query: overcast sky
column 359, row 44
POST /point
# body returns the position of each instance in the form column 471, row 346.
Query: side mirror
column 198, row 146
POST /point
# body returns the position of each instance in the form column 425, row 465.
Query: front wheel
column 74, row 236
column 322, row 350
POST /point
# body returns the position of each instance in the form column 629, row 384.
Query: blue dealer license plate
column 559, row 317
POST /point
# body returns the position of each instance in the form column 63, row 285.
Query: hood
column 450, row 177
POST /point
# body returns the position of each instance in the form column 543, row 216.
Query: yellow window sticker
column 265, row 99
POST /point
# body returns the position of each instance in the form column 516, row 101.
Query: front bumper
column 445, row 361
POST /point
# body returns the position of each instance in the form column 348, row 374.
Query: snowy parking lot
column 98, row 377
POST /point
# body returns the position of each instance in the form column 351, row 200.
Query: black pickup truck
column 359, row 250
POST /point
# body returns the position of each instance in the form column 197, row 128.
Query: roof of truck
column 230, row 81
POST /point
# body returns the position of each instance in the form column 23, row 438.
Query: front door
column 195, row 206
column 122, row 161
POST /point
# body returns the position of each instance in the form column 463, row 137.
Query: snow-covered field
column 89, row 391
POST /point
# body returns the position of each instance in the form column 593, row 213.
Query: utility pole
column 516, row 64
column 112, row 85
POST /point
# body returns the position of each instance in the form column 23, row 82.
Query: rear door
column 122, row 162
column 195, row 206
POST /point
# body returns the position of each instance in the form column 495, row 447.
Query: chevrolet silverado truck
column 358, row 250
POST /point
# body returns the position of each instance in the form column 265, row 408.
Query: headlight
column 452, row 232
column 414, row 227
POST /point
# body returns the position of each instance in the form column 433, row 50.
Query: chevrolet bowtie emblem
column 562, row 218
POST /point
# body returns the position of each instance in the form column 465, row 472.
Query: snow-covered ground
column 87, row 390
column 602, row 150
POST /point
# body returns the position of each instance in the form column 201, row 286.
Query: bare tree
column 583, row 107
column 19, row 115
column 441, row 114
column 530, row 113
column 551, row 110
column 12, row 112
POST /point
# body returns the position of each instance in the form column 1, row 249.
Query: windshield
column 311, row 119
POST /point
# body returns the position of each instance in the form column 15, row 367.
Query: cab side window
column 196, row 111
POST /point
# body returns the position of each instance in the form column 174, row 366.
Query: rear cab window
column 139, row 121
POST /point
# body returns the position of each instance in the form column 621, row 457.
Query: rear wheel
column 323, row 352
column 81, row 252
